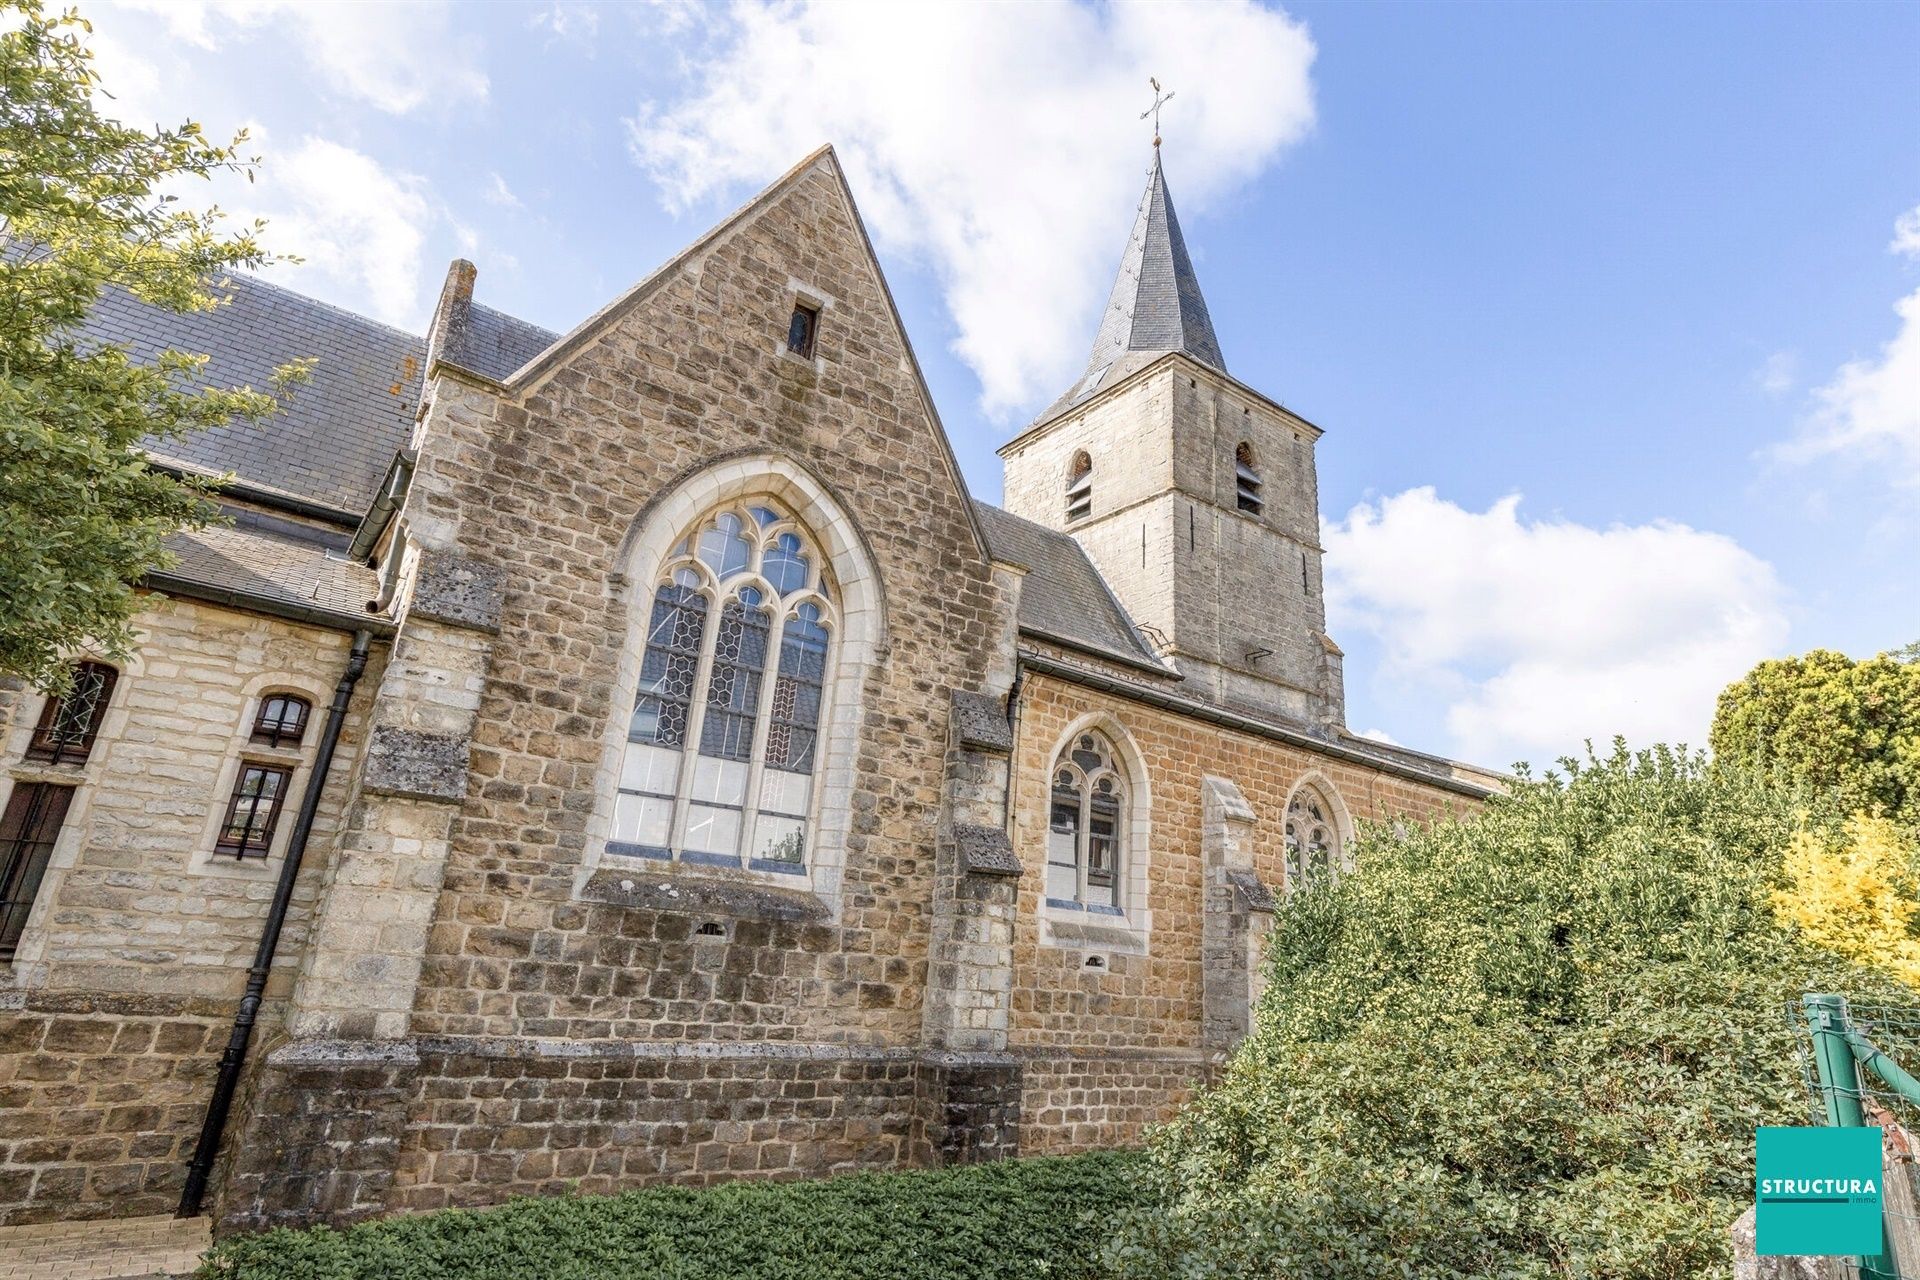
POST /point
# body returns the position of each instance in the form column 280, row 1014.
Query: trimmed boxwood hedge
column 1035, row 1217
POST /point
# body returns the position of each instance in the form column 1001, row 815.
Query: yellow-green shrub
column 1856, row 892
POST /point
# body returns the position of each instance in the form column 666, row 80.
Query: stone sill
column 699, row 891
column 1078, row 930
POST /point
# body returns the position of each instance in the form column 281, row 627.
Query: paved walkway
column 111, row 1249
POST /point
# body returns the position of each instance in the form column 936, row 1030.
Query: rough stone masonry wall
column 559, row 999
column 1106, row 1051
column 101, row 1096
column 113, row 1014
column 550, row 490
column 1166, row 530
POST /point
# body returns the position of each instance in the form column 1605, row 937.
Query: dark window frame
column 252, row 843
column 804, row 324
column 29, row 829
column 57, row 737
column 277, row 731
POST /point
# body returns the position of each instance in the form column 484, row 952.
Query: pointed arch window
column 1246, row 480
column 1080, row 486
column 1313, row 837
column 719, row 762
column 1086, row 846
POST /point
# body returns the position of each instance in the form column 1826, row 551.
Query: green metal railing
column 1846, row 1065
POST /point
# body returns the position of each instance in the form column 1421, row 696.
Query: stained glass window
column 725, row 732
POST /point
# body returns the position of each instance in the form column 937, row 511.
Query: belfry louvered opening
column 1246, row 480
column 1080, row 486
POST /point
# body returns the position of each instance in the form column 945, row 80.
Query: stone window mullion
column 1082, row 840
column 696, row 723
column 762, row 726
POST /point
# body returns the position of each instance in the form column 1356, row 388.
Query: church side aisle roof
column 1064, row 596
column 331, row 442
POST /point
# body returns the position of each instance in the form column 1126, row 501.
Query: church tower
column 1194, row 494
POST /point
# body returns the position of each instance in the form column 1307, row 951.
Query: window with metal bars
column 254, row 810
column 1246, row 480
column 68, row 725
column 28, row 829
column 281, row 721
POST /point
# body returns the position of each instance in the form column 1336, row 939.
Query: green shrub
column 1533, row 1043
column 1027, row 1218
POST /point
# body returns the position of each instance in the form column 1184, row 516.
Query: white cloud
column 997, row 144
column 578, row 23
column 1906, row 234
column 399, row 57
column 1779, row 374
column 1870, row 410
column 1381, row 735
column 498, row 192
column 360, row 227
column 1542, row 633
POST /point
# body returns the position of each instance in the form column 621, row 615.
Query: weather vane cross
column 1159, row 100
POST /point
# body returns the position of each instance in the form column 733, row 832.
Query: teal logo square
column 1817, row 1190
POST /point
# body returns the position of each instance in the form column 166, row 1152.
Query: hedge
column 1039, row 1217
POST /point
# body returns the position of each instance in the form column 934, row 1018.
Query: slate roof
column 332, row 441
column 1156, row 305
column 270, row 569
column 1064, row 596
column 495, row 344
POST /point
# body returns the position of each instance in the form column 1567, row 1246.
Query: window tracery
column 1085, row 826
column 1313, row 837
column 719, row 762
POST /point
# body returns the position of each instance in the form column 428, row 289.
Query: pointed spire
column 1156, row 304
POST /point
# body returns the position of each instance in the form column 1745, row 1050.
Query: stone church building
column 672, row 771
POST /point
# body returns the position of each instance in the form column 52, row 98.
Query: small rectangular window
column 253, row 811
column 68, row 725
column 282, row 721
column 802, row 329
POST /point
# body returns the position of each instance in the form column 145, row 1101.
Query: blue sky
column 1595, row 303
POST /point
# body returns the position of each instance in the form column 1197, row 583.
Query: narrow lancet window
column 802, row 328
column 1085, row 843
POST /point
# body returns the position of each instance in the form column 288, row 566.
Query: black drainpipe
column 1013, row 732
column 236, row 1055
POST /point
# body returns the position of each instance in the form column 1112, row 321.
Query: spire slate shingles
column 1156, row 305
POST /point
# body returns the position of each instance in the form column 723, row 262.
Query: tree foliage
column 1534, row 1043
column 1846, row 728
column 1856, row 892
column 86, row 205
